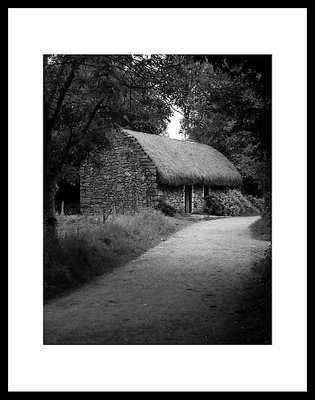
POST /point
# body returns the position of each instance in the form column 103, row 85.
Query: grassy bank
column 259, row 301
column 261, row 229
column 255, row 315
column 89, row 247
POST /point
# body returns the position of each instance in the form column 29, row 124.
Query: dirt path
column 186, row 290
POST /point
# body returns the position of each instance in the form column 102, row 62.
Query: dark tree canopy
column 81, row 93
column 227, row 104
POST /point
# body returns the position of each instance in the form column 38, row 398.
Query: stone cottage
column 141, row 170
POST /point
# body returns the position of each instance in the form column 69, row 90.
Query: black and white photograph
column 157, row 168
column 157, row 199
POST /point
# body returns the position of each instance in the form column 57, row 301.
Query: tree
column 85, row 96
column 228, row 108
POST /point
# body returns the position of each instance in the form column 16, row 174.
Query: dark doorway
column 205, row 190
column 69, row 195
column 188, row 198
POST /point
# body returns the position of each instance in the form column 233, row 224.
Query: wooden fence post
column 62, row 212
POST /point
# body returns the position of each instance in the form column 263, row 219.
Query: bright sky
column 174, row 126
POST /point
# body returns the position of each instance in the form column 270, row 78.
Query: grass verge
column 261, row 229
column 89, row 247
column 252, row 319
column 255, row 315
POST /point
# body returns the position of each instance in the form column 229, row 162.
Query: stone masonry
column 119, row 178
column 172, row 195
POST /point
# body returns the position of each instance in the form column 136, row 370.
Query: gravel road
column 186, row 290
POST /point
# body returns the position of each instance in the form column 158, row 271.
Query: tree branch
column 51, row 122
column 92, row 115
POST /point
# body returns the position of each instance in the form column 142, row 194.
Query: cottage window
column 205, row 190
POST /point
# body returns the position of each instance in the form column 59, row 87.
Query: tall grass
column 263, row 285
column 262, row 228
column 89, row 247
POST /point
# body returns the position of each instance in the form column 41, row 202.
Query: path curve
column 186, row 290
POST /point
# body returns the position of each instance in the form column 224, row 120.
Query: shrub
column 213, row 205
column 166, row 209
column 230, row 202
column 257, row 202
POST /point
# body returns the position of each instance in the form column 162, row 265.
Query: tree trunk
column 50, row 221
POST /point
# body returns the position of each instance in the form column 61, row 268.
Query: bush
column 166, row 209
column 231, row 202
column 257, row 202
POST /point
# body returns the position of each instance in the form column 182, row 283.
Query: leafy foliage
column 84, row 96
column 231, row 202
column 228, row 108
column 166, row 209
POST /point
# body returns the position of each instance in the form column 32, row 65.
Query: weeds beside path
column 187, row 290
column 261, row 229
column 89, row 247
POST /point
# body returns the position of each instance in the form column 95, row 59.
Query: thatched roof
column 181, row 162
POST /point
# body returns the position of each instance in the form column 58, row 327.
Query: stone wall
column 118, row 178
column 175, row 196
column 172, row 195
column 197, row 198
